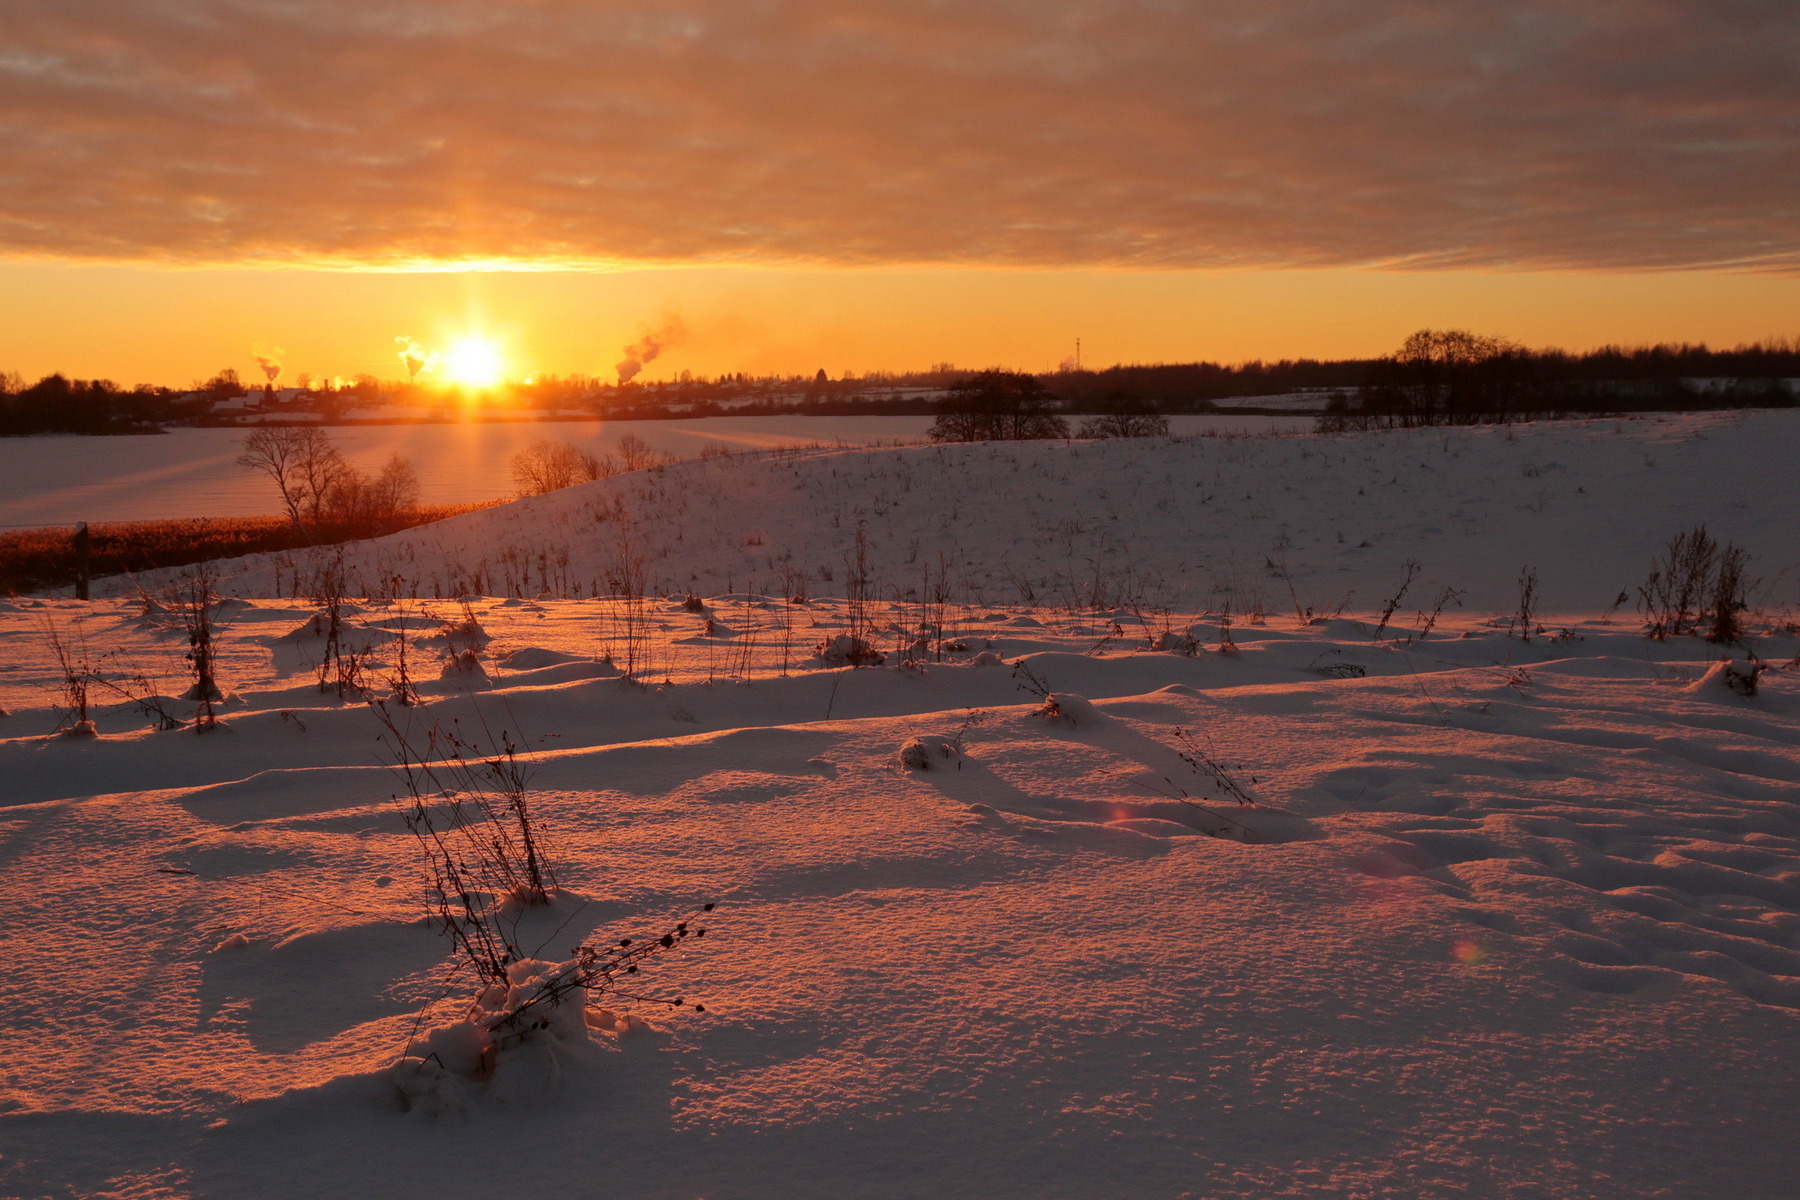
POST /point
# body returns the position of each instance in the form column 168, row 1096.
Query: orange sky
column 174, row 326
column 854, row 184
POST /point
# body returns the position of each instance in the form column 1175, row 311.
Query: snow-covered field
column 193, row 472
column 1505, row 917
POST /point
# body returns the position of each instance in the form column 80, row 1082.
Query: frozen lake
column 194, row 472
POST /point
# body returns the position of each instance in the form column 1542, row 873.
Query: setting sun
column 474, row 362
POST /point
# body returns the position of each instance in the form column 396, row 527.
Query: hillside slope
column 1256, row 522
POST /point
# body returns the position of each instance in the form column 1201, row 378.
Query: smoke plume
column 649, row 347
column 269, row 359
column 414, row 357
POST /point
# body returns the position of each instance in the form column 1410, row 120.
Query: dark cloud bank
column 1543, row 133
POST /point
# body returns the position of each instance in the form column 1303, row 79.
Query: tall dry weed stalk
column 485, row 865
column 194, row 603
column 78, row 678
column 1695, row 581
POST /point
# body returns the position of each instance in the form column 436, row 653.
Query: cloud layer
column 1145, row 133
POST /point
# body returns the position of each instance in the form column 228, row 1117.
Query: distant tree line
column 1437, row 375
column 1455, row 377
column 57, row 404
column 1483, row 372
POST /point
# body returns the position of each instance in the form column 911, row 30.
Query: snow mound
column 1728, row 678
column 532, row 658
column 459, row 636
column 1069, row 708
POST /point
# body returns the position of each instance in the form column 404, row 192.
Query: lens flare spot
column 1467, row 952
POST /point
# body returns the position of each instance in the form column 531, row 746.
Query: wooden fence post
column 81, row 560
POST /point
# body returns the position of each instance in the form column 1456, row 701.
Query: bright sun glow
column 474, row 362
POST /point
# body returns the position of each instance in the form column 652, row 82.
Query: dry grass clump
column 36, row 559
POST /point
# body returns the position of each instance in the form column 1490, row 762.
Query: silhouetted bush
column 1125, row 415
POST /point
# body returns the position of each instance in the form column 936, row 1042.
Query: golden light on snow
column 474, row 361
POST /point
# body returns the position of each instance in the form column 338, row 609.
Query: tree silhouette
column 997, row 406
column 1450, row 377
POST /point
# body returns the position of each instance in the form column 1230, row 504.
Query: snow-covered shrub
column 1175, row 641
column 916, row 651
column 844, row 650
column 1057, row 706
column 465, row 670
column 466, row 634
column 309, row 630
column 456, row 636
column 1066, row 706
column 535, row 658
column 927, row 751
column 527, row 1027
column 515, row 1039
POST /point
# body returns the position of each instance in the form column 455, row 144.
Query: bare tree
column 275, row 453
column 302, row 462
column 635, row 453
column 547, row 466
column 1447, row 377
column 321, row 469
column 371, row 501
column 318, row 485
